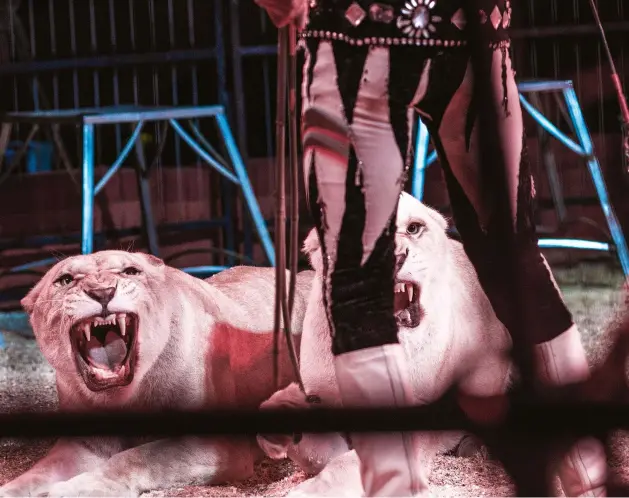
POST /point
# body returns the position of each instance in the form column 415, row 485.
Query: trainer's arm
column 283, row 12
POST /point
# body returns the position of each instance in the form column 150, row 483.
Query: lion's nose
column 399, row 260
column 102, row 295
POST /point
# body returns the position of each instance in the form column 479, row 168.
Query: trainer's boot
column 583, row 470
column 389, row 462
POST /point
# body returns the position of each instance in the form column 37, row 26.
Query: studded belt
column 428, row 23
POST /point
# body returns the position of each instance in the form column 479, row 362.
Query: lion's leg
column 341, row 477
column 164, row 464
column 562, row 360
column 66, row 459
column 311, row 452
column 548, row 322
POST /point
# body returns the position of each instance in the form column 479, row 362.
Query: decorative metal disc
column 416, row 20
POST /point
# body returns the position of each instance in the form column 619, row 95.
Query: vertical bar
column 219, row 47
column 420, row 163
column 175, row 102
column 239, row 99
column 239, row 93
column 577, row 53
column 87, row 232
column 95, row 76
column 621, row 15
column 601, row 100
column 192, row 41
column 597, row 178
column 114, row 46
column 152, row 29
column 227, row 190
column 173, row 76
column 133, row 48
column 53, row 51
column 75, row 75
column 533, row 44
column 16, row 99
column 33, row 50
column 267, row 93
column 241, row 172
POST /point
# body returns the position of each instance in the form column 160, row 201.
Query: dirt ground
column 27, row 382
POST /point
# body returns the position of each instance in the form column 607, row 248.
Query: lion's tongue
column 108, row 355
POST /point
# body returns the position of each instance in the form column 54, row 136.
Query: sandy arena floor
column 26, row 380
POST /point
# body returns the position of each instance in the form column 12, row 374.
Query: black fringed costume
column 369, row 66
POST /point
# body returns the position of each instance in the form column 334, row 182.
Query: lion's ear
column 28, row 301
column 312, row 249
column 153, row 260
column 311, row 244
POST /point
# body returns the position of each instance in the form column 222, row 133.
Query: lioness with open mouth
column 446, row 326
column 123, row 330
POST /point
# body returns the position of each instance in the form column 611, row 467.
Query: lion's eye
column 130, row 270
column 415, row 228
column 65, row 279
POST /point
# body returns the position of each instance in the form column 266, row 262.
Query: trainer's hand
column 283, row 12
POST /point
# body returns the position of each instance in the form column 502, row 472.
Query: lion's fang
column 409, row 290
column 122, row 324
column 88, row 332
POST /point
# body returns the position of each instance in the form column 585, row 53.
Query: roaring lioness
column 123, row 330
column 446, row 325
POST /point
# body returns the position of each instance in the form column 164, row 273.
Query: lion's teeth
column 87, row 331
column 400, row 287
column 409, row 290
column 122, row 324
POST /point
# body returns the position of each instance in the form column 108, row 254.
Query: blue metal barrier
column 88, row 119
column 583, row 147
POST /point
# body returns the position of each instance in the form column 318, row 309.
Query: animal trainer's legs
column 354, row 165
column 560, row 354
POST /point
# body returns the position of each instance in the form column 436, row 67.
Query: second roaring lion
column 447, row 327
column 123, row 330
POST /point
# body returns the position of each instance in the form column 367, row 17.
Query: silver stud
column 383, row 13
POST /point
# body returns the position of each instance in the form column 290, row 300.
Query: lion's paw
column 6, row 491
column 23, row 487
column 89, row 484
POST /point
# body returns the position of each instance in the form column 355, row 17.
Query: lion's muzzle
column 406, row 304
column 104, row 349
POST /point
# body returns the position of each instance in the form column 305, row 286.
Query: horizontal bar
column 33, row 264
column 568, row 30
column 42, row 240
column 543, row 85
column 550, row 419
column 102, row 61
column 112, row 114
column 258, row 50
column 587, row 245
column 162, row 114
